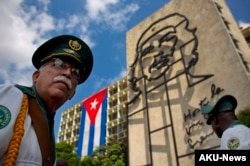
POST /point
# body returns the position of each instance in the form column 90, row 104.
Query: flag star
column 93, row 104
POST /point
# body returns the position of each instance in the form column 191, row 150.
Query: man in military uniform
column 223, row 120
column 27, row 113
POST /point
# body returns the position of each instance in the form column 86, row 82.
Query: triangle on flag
column 93, row 103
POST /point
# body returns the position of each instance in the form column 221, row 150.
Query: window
column 61, row 139
column 65, row 117
column 68, row 135
column 70, row 124
column 62, row 127
column 76, row 131
column 71, row 114
column 77, row 120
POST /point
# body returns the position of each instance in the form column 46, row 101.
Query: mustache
column 63, row 79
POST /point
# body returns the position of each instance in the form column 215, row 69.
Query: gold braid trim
column 16, row 139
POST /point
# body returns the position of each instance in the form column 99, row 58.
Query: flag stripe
column 81, row 133
column 98, row 123
column 91, row 140
column 86, row 137
column 103, row 121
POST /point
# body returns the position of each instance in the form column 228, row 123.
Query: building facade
column 246, row 34
column 185, row 55
column 70, row 124
column 117, row 112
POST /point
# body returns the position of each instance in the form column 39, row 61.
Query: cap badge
column 74, row 45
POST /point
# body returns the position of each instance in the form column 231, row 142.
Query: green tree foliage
column 244, row 116
column 87, row 161
column 65, row 151
column 112, row 154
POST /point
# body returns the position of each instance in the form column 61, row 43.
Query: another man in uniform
column 27, row 113
column 223, row 120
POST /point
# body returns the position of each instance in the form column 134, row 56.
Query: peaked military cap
column 225, row 103
column 66, row 46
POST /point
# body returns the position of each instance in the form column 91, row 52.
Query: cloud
column 111, row 13
column 26, row 24
column 243, row 24
column 96, row 7
column 16, row 41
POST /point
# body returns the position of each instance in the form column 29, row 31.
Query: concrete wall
column 186, row 54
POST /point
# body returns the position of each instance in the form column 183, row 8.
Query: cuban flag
column 92, row 131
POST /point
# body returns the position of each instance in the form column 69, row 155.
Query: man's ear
column 35, row 75
column 216, row 121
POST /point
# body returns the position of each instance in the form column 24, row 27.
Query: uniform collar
column 234, row 123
